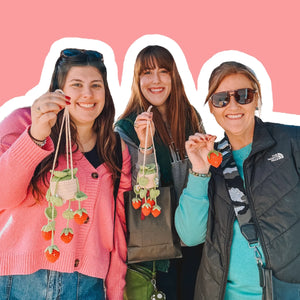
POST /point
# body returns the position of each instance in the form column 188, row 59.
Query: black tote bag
column 152, row 238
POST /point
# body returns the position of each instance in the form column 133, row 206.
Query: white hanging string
column 148, row 126
column 69, row 147
column 66, row 122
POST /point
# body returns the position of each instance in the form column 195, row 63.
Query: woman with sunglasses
column 255, row 190
column 92, row 265
column 157, row 83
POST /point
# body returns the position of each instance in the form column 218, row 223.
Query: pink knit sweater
column 93, row 251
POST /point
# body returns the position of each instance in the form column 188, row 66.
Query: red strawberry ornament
column 156, row 210
column 47, row 231
column 52, row 253
column 151, row 202
column 47, row 235
column 136, row 203
column 146, row 209
column 214, row 158
column 67, row 235
column 80, row 216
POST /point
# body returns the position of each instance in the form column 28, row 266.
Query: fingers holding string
column 44, row 112
column 141, row 126
column 51, row 101
column 141, row 119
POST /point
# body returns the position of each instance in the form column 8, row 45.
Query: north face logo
column 276, row 157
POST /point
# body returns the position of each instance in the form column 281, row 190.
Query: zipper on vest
column 254, row 217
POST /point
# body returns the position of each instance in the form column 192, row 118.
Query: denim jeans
column 50, row 285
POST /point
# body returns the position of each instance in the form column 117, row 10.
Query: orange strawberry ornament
column 156, row 210
column 146, row 209
column 52, row 253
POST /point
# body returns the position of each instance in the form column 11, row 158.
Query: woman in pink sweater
column 93, row 264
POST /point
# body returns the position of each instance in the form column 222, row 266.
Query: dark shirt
column 93, row 157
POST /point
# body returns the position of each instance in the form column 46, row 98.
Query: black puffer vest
column 272, row 180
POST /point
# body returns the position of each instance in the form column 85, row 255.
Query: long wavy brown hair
column 103, row 125
column 179, row 109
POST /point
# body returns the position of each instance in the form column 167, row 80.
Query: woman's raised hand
column 44, row 112
column 140, row 126
column 197, row 148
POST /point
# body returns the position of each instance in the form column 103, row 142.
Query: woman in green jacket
column 157, row 83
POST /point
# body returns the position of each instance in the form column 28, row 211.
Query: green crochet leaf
column 143, row 181
column 49, row 227
column 68, row 214
column 60, row 174
column 154, row 193
column 80, row 196
column 147, row 169
column 143, row 193
column 56, row 200
column 48, row 195
column 49, row 211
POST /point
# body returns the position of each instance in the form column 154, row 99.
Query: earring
column 256, row 108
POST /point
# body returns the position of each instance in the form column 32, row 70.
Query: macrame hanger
column 66, row 122
column 154, row 151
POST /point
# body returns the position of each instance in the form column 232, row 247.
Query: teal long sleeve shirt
column 190, row 221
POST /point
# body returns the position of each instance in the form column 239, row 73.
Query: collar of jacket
column 262, row 138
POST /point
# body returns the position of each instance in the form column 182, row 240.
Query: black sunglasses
column 241, row 96
column 73, row 52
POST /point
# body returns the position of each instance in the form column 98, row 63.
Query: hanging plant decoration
column 64, row 188
column 146, row 190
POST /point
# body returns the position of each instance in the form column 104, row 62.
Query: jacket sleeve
column 19, row 157
column 192, row 211
column 115, row 280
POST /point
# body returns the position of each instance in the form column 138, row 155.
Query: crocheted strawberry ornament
column 214, row 158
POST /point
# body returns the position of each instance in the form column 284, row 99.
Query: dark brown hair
column 103, row 124
column 179, row 108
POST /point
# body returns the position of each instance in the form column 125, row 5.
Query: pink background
column 265, row 29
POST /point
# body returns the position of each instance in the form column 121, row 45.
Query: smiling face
column 237, row 120
column 85, row 86
column 155, row 85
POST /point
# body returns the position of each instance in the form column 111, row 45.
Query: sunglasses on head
column 241, row 96
column 72, row 52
